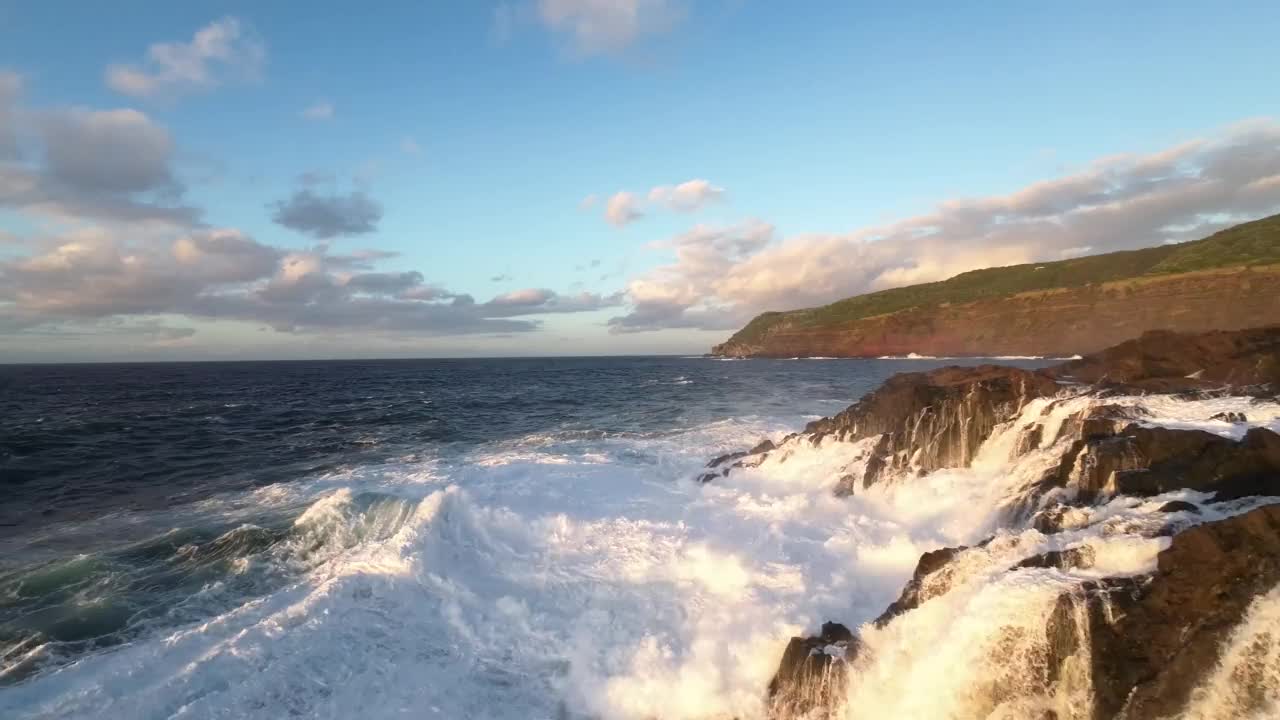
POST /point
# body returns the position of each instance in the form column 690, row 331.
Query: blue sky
column 824, row 150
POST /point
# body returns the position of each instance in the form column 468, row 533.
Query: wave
column 586, row 576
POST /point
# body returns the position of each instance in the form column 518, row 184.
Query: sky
column 247, row 180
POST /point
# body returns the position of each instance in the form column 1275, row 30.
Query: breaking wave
column 586, row 575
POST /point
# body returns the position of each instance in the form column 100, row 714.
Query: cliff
column 1225, row 282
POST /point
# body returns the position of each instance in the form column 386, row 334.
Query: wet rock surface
column 1151, row 640
column 1163, row 361
column 1143, row 460
column 1146, row 641
column 812, row 676
column 939, row 419
column 930, row 579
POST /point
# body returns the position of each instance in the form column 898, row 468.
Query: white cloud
column 222, row 50
column 100, row 275
column 321, row 110
column 721, row 277
column 622, row 208
column 687, row 196
column 602, row 26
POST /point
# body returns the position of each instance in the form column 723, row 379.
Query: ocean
column 507, row 538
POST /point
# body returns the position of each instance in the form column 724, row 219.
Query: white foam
column 1246, row 684
column 563, row 577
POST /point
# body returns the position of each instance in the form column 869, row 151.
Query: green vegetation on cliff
column 1251, row 243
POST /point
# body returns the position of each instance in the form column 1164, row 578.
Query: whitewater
column 573, row 575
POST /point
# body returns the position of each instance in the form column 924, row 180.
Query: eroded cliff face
column 1054, row 323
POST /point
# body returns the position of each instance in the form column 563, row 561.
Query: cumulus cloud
column 721, row 277
column 622, row 208
column 103, row 252
column 687, row 196
column 111, row 165
column 681, row 294
column 218, row 52
column 322, row 110
column 602, row 26
column 109, row 151
column 328, row 216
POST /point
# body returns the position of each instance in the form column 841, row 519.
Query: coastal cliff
column 1226, row 282
column 1135, row 533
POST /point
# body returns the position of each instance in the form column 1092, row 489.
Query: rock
column 727, row 457
column 1180, row 506
column 1151, row 640
column 1231, row 417
column 930, row 579
column 1072, row 558
column 1116, row 457
column 1162, row 361
column 810, row 681
column 931, row 420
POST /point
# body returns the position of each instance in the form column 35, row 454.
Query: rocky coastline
column 1132, row 647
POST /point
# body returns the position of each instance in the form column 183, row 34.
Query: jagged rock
column 1112, row 456
column 932, row 420
column 810, row 680
column 1072, row 558
column 926, row 582
column 939, row 419
column 925, row 421
column 1051, row 519
column 727, row 457
column 1180, row 506
column 1149, row 641
column 1231, row 417
column 1154, row 460
column 1162, row 361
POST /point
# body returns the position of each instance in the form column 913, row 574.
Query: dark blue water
column 105, row 469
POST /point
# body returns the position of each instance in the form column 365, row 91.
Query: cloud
column 102, row 251
column 537, row 301
column 108, row 151
column 687, row 196
column 94, row 277
column 721, row 277
column 328, row 216
column 602, row 26
column 220, row 51
column 409, row 146
column 322, row 110
column 680, row 294
column 10, row 88
column 311, row 178
column 110, row 165
column 624, row 207
column 621, row 209
column 500, row 278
